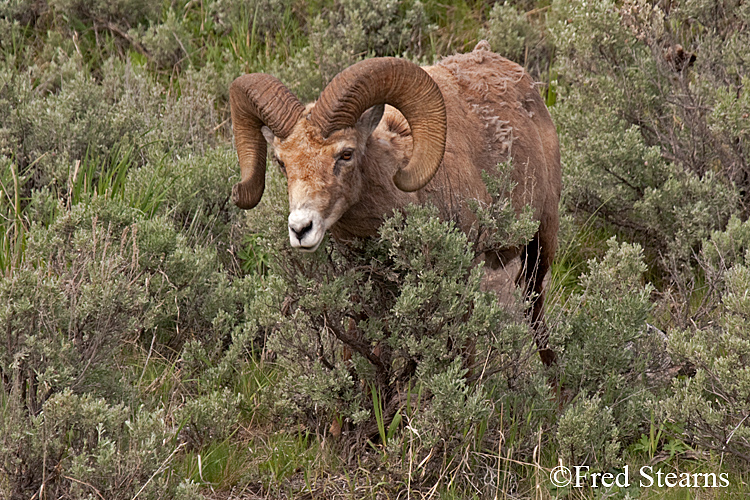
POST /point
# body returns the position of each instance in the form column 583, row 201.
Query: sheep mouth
column 309, row 249
column 311, row 243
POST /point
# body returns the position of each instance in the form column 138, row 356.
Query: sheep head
column 320, row 148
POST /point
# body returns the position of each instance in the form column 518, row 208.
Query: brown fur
column 493, row 112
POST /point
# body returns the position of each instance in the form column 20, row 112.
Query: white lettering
column 669, row 479
column 649, row 478
column 645, row 472
column 685, row 480
column 595, row 475
column 625, row 477
column 724, row 478
column 579, row 475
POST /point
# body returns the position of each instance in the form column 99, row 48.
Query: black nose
column 300, row 233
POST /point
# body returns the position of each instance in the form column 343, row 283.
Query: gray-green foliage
column 509, row 32
column 199, row 187
column 587, row 433
column 93, row 282
column 609, row 356
column 713, row 403
column 518, row 36
column 124, row 12
column 640, row 117
column 68, row 312
column 166, row 43
column 348, row 32
column 353, row 29
column 498, row 225
column 419, row 292
column 207, row 417
column 456, row 405
column 69, row 315
column 70, row 113
column 97, row 445
column 654, row 134
column 262, row 18
column 409, row 307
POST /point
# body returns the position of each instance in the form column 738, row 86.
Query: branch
column 356, row 343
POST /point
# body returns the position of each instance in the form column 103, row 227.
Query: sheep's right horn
column 256, row 100
column 403, row 85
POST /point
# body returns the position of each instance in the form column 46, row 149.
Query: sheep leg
column 536, row 260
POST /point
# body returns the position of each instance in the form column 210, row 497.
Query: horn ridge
column 403, row 85
column 255, row 100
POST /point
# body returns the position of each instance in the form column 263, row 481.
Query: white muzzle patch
column 306, row 229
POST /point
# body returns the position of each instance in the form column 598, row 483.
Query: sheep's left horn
column 256, row 100
column 403, row 85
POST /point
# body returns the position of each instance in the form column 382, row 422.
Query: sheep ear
column 267, row 134
column 370, row 119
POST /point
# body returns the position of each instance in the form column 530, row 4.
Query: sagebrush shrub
column 126, row 12
column 639, row 118
column 167, row 43
column 95, row 445
column 261, row 18
column 48, row 129
column 70, row 308
column 209, row 417
column 609, row 355
column 70, row 311
column 710, row 405
column 346, row 33
column 91, row 286
column 587, row 433
column 409, row 308
column 521, row 38
column 654, row 143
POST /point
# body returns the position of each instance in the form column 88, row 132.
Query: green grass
column 253, row 258
column 219, row 465
column 282, row 453
column 13, row 224
column 94, row 176
column 251, row 381
column 459, row 23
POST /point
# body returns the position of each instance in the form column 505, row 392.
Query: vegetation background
column 157, row 342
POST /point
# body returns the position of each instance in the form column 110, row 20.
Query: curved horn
column 403, row 85
column 256, row 100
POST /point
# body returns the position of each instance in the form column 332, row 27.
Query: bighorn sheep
column 350, row 160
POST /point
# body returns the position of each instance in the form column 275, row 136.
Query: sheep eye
column 280, row 164
column 346, row 155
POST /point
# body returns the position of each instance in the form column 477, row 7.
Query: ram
column 386, row 133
